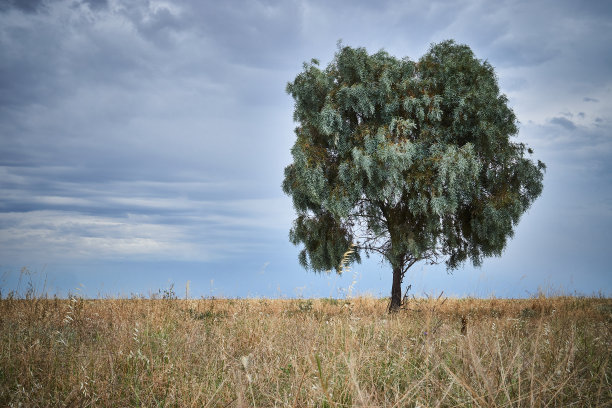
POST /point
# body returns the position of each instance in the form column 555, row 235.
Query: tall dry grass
column 540, row 352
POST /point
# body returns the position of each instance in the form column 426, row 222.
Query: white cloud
column 145, row 228
column 53, row 235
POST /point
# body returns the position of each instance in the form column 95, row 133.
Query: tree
column 411, row 160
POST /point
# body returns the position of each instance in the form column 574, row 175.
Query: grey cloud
column 525, row 52
column 583, row 148
column 27, row 6
column 47, row 66
column 25, row 76
column 401, row 28
column 507, row 34
column 599, row 10
column 159, row 24
column 160, row 130
column 171, row 229
column 175, row 200
column 563, row 122
column 56, row 235
column 544, row 42
column 45, row 209
column 261, row 34
column 135, row 95
column 48, row 61
column 97, row 4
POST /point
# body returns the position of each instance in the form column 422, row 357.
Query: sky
column 142, row 143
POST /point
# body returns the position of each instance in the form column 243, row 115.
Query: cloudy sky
column 142, row 143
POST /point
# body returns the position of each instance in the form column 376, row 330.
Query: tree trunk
column 396, row 290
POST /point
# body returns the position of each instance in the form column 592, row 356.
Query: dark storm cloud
column 587, row 99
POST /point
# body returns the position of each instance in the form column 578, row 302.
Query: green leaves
column 325, row 241
column 412, row 159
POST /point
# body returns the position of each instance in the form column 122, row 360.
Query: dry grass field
column 539, row 352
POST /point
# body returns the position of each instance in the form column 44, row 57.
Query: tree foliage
column 412, row 160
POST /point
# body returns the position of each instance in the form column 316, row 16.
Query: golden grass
column 540, row 352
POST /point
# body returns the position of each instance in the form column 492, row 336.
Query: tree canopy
column 412, row 160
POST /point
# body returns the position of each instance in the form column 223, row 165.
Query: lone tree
column 412, row 160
